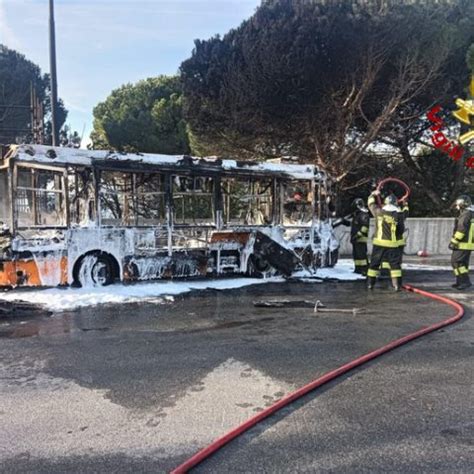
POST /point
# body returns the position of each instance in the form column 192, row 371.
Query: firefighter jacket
column 360, row 226
column 463, row 236
column 402, row 215
column 386, row 223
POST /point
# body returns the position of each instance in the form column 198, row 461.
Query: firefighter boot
column 455, row 285
column 370, row 283
column 464, row 282
column 397, row 283
column 361, row 269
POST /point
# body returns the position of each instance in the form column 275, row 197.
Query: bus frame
column 79, row 217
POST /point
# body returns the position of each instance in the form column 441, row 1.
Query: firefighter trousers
column 386, row 264
column 359, row 254
column 385, row 254
column 460, row 263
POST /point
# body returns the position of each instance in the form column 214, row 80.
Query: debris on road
column 317, row 306
column 321, row 308
column 284, row 304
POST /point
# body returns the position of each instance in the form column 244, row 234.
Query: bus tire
column 95, row 269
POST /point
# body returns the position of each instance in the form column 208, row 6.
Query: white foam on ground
column 65, row 299
column 344, row 270
column 62, row 299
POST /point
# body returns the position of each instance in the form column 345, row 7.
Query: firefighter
column 360, row 236
column 401, row 239
column 358, row 221
column 462, row 242
column 385, row 241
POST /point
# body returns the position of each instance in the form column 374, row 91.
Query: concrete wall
column 424, row 233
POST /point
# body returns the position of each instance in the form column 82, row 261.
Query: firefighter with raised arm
column 385, row 241
column 462, row 242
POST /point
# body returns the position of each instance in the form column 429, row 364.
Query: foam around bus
column 71, row 216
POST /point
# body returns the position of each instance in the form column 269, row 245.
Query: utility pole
column 54, row 83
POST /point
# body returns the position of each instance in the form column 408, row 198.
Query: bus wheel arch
column 95, row 268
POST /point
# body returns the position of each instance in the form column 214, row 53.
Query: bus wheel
column 95, row 270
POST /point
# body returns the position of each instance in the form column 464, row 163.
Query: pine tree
column 146, row 117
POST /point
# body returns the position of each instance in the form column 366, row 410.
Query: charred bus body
column 73, row 216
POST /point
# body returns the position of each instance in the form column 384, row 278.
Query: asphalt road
column 139, row 388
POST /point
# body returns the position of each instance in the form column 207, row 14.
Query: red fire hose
column 333, row 374
column 393, row 180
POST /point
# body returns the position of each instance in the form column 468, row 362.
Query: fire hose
column 397, row 181
column 324, row 379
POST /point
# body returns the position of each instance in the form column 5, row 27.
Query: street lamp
column 54, row 85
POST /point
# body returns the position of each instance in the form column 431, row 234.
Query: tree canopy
column 17, row 75
column 146, row 116
column 336, row 83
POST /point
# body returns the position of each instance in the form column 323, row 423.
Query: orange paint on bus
column 26, row 272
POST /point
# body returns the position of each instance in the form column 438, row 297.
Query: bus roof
column 61, row 156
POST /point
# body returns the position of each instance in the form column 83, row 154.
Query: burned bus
column 84, row 217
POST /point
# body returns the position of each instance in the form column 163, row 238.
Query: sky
column 102, row 44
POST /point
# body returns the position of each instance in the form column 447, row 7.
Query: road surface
column 141, row 387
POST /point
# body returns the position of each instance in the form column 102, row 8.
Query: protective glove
column 452, row 246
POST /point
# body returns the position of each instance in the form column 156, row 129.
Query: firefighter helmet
column 391, row 199
column 462, row 202
column 358, row 203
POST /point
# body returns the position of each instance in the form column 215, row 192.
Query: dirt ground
column 141, row 387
